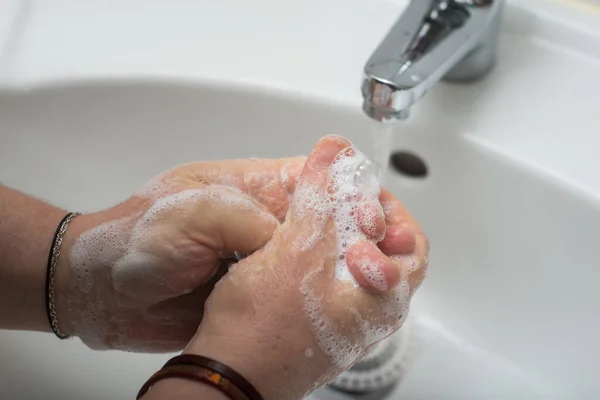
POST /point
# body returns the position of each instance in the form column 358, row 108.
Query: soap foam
column 341, row 351
column 373, row 274
column 353, row 189
column 120, row 253
column 410, row 262
column 352, row 201
column 137, row 266
column 90, row 260
column 393, row 217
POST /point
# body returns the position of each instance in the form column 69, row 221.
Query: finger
column 400, row 226
column 372, row 269
column 404, row 242
column 371, row 219
column 395, row 213
column 270, row 181
column 311, row 196
column 398, row 241
column 317, row 164
column 236, row 221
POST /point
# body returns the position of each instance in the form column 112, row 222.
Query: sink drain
column 408, row 164
column 385, row 367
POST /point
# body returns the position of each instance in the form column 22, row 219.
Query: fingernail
column 329, row 147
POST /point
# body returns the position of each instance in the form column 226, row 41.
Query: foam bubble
column 373, row 274
column 90, row 260
column 342, row 352
column 410, row 263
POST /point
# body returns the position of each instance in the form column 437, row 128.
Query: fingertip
column 413, row 268
column 417, row 276
column 326, row 150
column 334, row 140
column 394, row 211
column 315, row 170
column 397, row 241
column 372, row 269
column 371, row 219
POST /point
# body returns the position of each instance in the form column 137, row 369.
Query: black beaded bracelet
column 50, row 273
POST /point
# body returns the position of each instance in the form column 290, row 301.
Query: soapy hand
column 135, row 277
column 335, row 279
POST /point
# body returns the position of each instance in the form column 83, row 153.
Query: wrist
column 277, row 371
column 64, row 286
column 244, row 361
column 182, row 389
column 72, row 291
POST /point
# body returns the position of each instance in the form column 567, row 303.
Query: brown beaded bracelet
column 205, row 370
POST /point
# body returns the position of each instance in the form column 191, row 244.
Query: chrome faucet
column 433, row 39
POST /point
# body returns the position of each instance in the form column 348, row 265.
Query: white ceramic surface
column 511, row 204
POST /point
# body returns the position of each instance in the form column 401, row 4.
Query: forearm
column 182, row 389
column 27, row 226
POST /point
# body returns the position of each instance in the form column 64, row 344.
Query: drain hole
column 408, row 164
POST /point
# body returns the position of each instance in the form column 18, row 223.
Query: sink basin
column 511, row 204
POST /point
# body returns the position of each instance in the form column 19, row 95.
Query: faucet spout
column 432, row 39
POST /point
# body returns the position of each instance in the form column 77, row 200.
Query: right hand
column 135, row 276
column 283, row 320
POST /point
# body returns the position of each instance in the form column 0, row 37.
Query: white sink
column 511, row 205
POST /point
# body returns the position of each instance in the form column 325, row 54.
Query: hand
column 336, row 278
column 135, row 277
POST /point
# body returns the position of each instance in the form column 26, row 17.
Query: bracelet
column 205, row 370
column 51, row 270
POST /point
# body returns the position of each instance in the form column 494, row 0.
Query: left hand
column 136, row 276
column 290, row 317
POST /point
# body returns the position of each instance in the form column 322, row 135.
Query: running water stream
column 381, row 139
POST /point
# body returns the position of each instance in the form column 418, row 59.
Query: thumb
column 238, row 222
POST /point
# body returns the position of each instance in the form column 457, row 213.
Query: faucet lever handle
column 398, row 41
column 442, row 19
